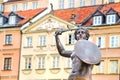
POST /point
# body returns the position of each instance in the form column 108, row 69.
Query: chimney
column 73, row 16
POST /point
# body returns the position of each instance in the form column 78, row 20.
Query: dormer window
column 111, row 19
column 97, row 20
column 12, row 19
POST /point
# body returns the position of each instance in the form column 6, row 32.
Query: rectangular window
column 41, row 62
column 101, row 41
column 28, row 63
column 55, row 61
column 114, row 66
column 1, row 20
column 93, row 2
column 72, row 3
column 111, row 19
column 82, row 3
column 14, row 7
column 100, row 68
column 29, row 41
column 25, row 6
column 111, row 1
column 71, row 39
column 61, row 4
column 114, row 41
column 1, row 7
column 7, row 63
column 69, row 63
column 12, row 20
column 97, row 20
column 35, row 5
column 8, row 39
column 42, row 41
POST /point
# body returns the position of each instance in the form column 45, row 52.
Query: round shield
column 87, row 51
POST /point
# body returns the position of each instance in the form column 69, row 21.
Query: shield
column 87, row 51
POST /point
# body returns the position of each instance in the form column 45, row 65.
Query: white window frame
column 111, row 19
column 42, row 40
column 61, row 4
column 8, row 39
column 1, row 20
column 41, row 62
column 100, row 41
column 101, row 67
column 72, row 3
column 29, row 41
column 28, row 62
column 56, row 62
column 68, row 63
column 12, row 20
column 114, row 41
column 93, row 2
column 82, row 3
column 71, row 39
column 25, row 6
column 97, row 20
column 110, row 1
column 14, row 7
column 35, row 5
column 114, row 66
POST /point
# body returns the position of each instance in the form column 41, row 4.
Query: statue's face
column 76, row 64
column 81, row 34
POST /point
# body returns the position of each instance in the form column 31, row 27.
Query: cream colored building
column 39, row 57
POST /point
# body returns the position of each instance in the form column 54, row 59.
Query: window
column 101, row 42
column 41, row 62
column 42, row 40
column 7, row 63
column 35, row 5
column 111, row 19
column 111, row 1
column 29, row 41
column 71, row 3
column 100, row 68
column 71, row 39
column 61, row 4
column 8, row 39
column 93, row 2
column 14, row 7
column 114, row 41
column 113, row 66
column 55, row 62
column 12, row 20
column 25, row 6
column 1, row 7
column 82, row 3
column 97, row 20
column 69, row 63
column 28, row 63
column 1, row 20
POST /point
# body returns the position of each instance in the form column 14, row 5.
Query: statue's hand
column 59, row 32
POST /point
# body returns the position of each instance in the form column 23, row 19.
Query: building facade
column 66, row 4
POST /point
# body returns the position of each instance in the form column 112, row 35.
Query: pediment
column 49, row 23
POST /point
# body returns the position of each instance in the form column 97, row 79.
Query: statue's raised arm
column 59, row 45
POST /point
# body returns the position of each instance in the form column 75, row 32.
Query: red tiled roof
column 115, row 6
column 81, row 13
column 28, row 14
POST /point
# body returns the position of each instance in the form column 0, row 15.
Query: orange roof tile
column 28, row 14
column 81, row 13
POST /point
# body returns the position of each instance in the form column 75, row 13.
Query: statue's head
column 81, row 33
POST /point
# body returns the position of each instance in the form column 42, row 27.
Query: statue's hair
column 86, row 31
